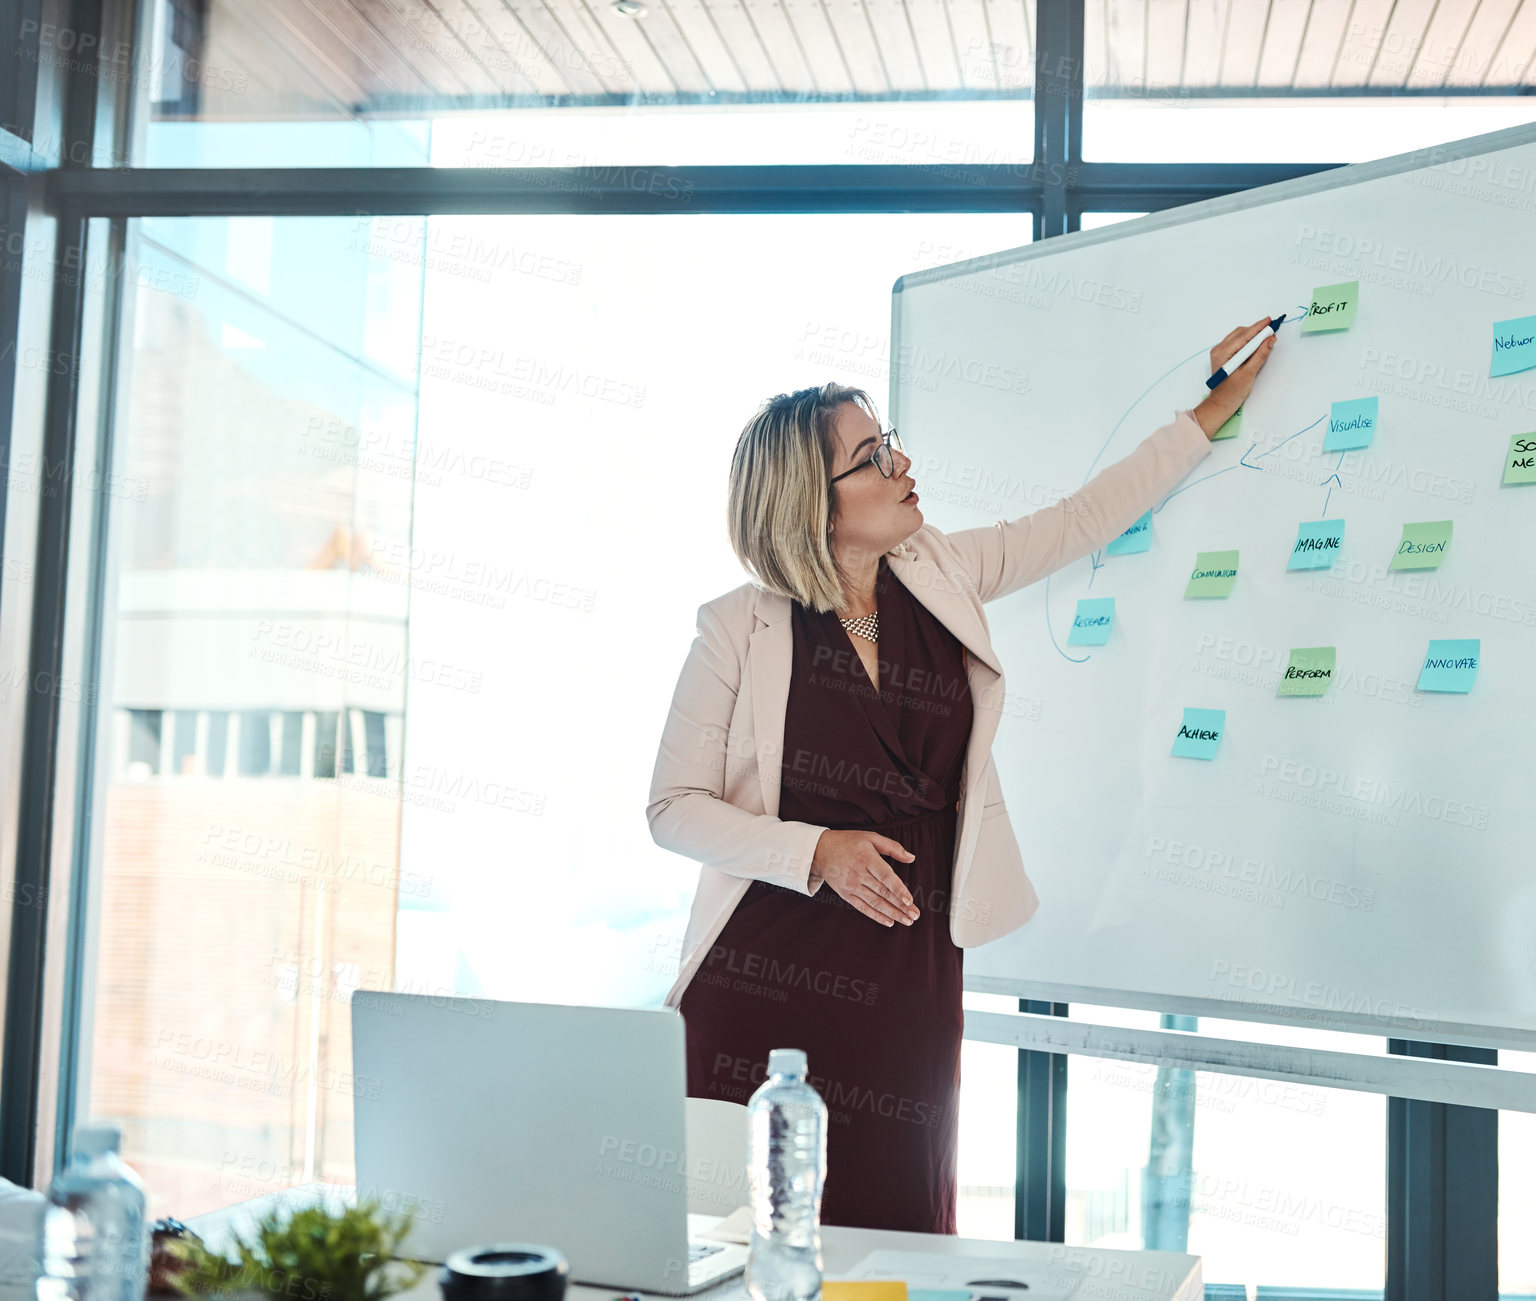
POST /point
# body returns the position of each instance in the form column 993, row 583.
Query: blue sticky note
column 1200, row 733
column 1351, row 424
column 1451, row 665
column 1136, row 538
column 1318, row 543
column 1091, row 623
column 1514, row 345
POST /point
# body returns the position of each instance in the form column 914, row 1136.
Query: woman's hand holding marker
column 1227, row 396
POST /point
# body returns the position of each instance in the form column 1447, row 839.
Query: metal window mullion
column 19, row 1088
column 1059, row 50
column 1040, row 1186
column 1442, row 1191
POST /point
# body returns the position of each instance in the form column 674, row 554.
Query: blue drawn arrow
column 1278, row 445
column 1332, row 479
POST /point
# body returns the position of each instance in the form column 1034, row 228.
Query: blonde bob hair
column 780, row 502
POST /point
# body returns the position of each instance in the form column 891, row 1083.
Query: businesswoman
column 827, row 760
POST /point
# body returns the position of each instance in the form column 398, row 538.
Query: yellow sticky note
column 864, row 1289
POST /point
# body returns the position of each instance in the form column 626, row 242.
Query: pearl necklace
column 866, row 626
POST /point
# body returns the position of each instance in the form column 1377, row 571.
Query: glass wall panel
column 539, row 501
column 1275, row 1184
column 243, row 856
column 1517, row 1190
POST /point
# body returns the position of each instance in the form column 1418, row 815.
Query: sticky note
column 1230, row 427
column 1136, row 538
column 1213, row 575
column 1309, row 672
column 1333, row 308
column 1091, row 623
column 1423, row 545
column 1520, row 464
column 1351, row 424
column 1200, row 733
column 862, row 1289
column 1318, row 543
column 1514, row 345
column 1451, row 665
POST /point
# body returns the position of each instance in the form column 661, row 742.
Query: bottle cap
column 786, row 1061
column 95, row 1139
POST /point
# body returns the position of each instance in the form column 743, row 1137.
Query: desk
column 1100, row 1275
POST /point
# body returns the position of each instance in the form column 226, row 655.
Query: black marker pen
column 1245, row 352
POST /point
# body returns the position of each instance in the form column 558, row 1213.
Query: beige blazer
column 714, row 793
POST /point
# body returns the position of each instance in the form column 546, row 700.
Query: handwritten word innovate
column 1448, row 662
column 1451, row 664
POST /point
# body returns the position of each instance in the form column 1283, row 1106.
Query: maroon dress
column 877, row 1008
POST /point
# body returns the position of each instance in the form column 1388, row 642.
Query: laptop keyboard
column 698, row 1250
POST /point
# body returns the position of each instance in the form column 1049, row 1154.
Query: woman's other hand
column 1227, row 396
column 851, row 863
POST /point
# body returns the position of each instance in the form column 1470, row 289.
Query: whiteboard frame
column 1425, row 1079
column 1048, row 1040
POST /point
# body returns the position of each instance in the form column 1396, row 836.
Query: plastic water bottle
column 95, row 1242
column 786, row 1168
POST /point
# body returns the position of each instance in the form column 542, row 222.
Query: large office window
column 517, row 430
column 245, row 874
column 392, row 496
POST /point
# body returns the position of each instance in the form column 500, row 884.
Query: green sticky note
column 1423, row 546
column 1309, row 672
column 1230, row 427
column 1520, row 464
column 1213, row 575
column 1333, row 307
column 1451, row 665
column 1514, row 346
column 1200, row 733
column 1092, row 622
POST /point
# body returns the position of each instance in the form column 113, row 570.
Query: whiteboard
column 1362, row 860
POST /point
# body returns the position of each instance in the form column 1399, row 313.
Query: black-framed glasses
column 881, row 459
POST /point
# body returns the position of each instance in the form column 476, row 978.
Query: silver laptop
column 536, row 1122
